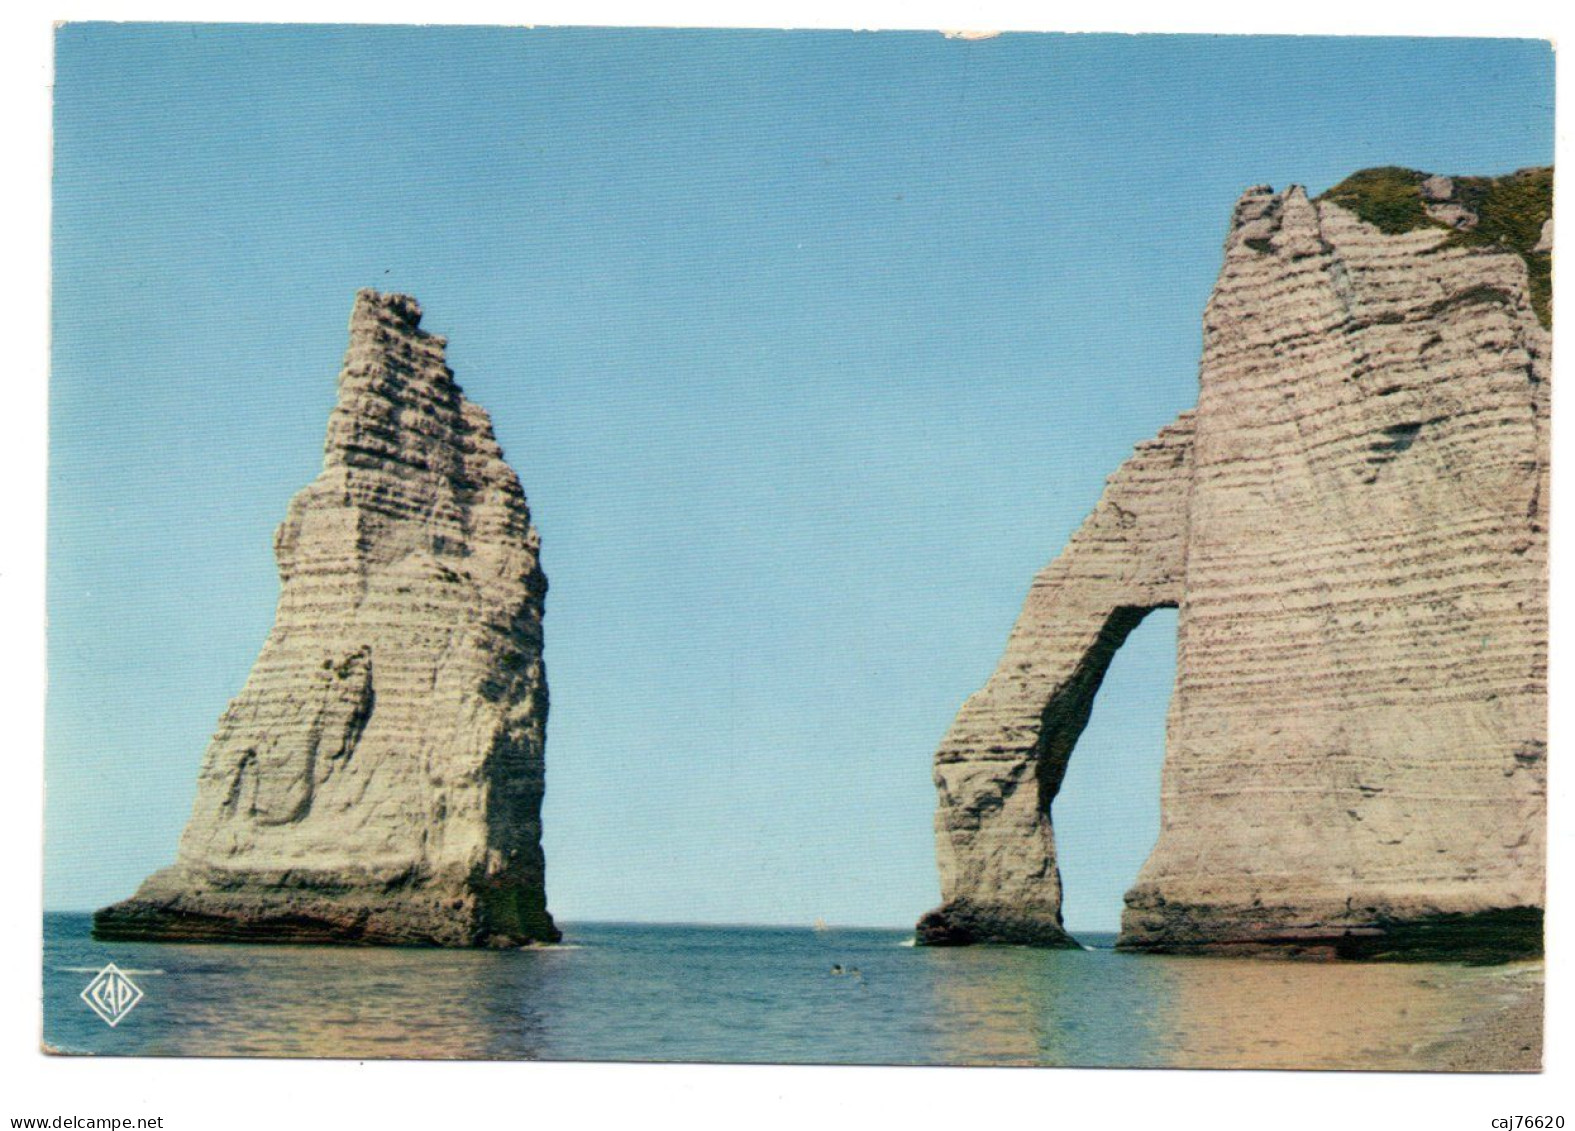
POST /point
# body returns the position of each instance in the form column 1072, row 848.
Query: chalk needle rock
column 379, row 779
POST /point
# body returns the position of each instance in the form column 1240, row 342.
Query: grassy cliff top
column 1508, row 212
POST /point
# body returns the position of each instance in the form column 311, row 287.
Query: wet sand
column 1506, row 1035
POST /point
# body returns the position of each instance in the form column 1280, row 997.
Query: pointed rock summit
column 379, row 778
column 1353, row 526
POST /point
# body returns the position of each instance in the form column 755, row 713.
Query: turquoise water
column 683, row 993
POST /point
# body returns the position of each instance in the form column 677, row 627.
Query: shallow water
column 642, row 992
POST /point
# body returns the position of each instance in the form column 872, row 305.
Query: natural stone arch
column 1356, row 749
column 1000, row 766
column 1067, row 713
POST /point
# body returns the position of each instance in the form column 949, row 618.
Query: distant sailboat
column 820, row 926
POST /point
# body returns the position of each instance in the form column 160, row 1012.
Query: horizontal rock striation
column 1354, row 528
column 1002, row 763
column 379, row 779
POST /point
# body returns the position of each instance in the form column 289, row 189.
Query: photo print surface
column 798, row 547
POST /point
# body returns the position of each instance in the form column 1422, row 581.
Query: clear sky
column 810, row 349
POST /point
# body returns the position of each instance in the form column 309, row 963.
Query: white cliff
column 1353, row 525
column 379, row 779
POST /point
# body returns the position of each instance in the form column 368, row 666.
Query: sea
column 642, row 992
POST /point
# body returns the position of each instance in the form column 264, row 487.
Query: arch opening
column 1104, row 803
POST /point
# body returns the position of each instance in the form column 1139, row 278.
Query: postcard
column 798, row 547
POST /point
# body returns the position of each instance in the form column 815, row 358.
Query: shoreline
column 1505, row 1035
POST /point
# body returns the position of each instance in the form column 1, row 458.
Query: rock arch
column 1353, row 525
column 1001, row 764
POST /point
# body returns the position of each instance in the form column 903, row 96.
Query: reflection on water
column 1021, row 1006
column 757, row 994
column 1318, row 1015
column 316, row 1001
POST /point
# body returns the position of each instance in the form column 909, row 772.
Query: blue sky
column 810, row 349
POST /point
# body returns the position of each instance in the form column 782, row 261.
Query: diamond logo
column 111, row 995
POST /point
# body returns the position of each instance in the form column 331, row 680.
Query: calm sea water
column 678, row 993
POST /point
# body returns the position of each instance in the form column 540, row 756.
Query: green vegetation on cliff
column 1510, row 212
column 1389, row 198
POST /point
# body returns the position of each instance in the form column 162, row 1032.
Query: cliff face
column 1353, row 524
column 379, row 779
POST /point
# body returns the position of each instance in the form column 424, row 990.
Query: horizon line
column 794, row 926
